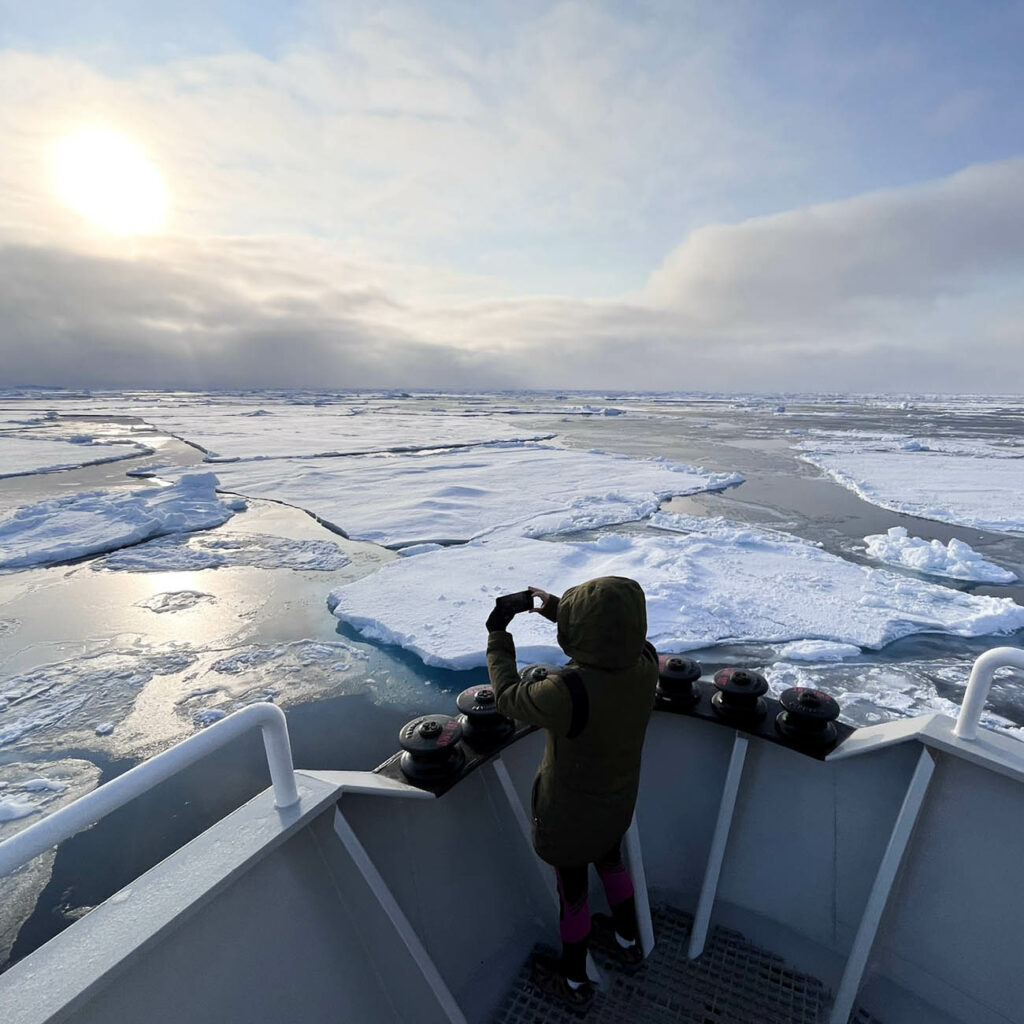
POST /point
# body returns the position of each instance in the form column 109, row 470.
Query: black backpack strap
column 580, row 703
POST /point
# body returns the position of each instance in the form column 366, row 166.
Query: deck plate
column 733, row 982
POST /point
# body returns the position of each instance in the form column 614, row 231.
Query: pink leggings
column 574, row 910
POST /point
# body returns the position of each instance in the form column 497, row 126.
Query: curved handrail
column 978, row 686
column 89, row 809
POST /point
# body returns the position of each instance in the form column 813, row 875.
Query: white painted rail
column 94, row 806
column 978, row 686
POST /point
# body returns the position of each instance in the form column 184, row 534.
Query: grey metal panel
column 276, row 946
column 869, row 792
column 781, row 857
column 807, row 835
column 385, row 953
column 70, row 968
column 684, row 766
column 466, row 879
column 955, row 926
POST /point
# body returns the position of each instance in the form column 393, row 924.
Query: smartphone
column 515, row 603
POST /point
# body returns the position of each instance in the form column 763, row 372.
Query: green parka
column 595, row 711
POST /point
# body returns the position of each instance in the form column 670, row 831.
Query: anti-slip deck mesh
column 733, row 982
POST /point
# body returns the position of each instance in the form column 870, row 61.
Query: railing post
column 878, row 898
column 716, row 855
column 978, row 686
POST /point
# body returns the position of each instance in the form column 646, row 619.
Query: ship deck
column 732, row 982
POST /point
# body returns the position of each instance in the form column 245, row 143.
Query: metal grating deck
column 733, row 982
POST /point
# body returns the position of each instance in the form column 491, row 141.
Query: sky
column 725, row 195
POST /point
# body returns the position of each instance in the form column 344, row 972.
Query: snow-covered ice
column 976, row 484
column 461, row 494
column 818, row 651
column 66, row 528
column 956, row 560
column 22, row 455
column 16, row 806
column 245, row 430
column 702, row 589
column 224, row 548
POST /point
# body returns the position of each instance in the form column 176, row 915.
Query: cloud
column 400, row 135
column 886, row 253
column 334, row 199
column 205, row 320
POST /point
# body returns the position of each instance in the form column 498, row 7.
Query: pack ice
column 23, row 455
column 62, row 529
column 191, row 552
column 457, row 495
column 728, row 584
column 246, row 430
column 956, row 560
column 966, row 483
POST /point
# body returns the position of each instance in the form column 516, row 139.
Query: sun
column 107, row 179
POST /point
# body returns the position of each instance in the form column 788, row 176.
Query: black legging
column 574, row 912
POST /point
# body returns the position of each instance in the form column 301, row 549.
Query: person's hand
column 548, row 603
column 499, row 618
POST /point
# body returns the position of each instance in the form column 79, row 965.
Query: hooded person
column 595, row 711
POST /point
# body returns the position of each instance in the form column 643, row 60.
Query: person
column 595, row 711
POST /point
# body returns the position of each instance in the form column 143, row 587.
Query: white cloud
column 397, row 134
column 882, row 252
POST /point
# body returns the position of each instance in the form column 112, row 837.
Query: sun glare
column 108, row 180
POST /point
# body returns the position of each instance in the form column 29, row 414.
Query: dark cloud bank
column 916, row 289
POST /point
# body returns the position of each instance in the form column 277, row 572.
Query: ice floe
column 66, row 528
column 818, row 651
column 872, row 693
column 461, row 494
column 956, row 560
column 213, row 550
column 176, row 601
column 967, row 483
column 80, row 694
column 149, row 695
column 230, row 430
column 702, row 589
column 29, row 791
column 24, row 455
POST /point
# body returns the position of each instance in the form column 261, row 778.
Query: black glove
column 499, row 618
column 548, row 604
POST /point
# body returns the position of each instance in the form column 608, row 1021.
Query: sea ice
column 869, row 694
column 175, row 601
column 229, row 430
column 52, row 784
column 818, row 650
column 702, row 589
column 21, row 455
column 188, row 553
column 14, row 807
column 974, row 484
column 61, row 529
column 64, row 696
column 956, row 560
column 458, row 495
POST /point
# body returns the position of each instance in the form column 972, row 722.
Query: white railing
column 978, row 686
column 89, row 809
